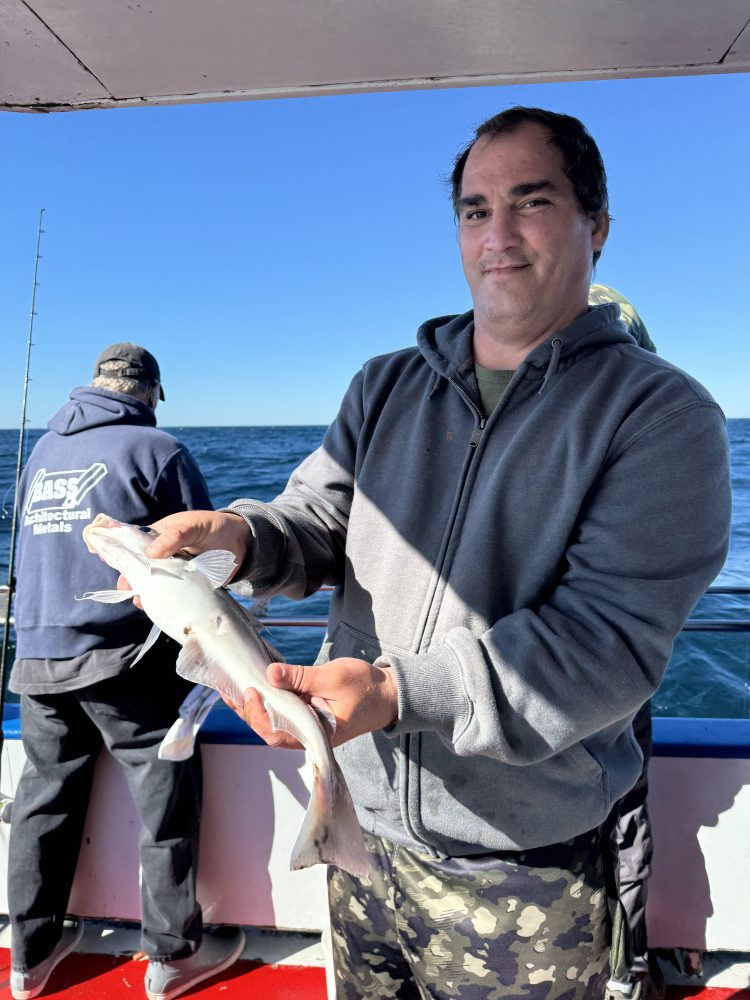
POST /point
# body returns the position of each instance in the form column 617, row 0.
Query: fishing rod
column 14, row 519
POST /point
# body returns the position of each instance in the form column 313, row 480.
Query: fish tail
column 331, row 833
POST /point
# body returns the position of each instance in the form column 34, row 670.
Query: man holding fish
column 517, row 516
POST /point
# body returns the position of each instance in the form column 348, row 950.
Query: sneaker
column 165, row 980
column 25, row 985
column 645, row 982
column 623, row 989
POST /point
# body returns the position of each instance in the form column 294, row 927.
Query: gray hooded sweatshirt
column 524, row 576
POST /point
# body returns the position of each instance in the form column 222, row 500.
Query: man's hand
column 195, row 531
column 361, row 696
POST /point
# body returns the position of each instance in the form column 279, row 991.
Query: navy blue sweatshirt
column 103, row 453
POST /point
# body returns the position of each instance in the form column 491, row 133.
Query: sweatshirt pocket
column 585, row 763
column 349, row 641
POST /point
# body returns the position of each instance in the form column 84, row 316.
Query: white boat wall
column 254, row 801
column 255, row 797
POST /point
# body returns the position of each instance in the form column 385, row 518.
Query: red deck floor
column 113, row 977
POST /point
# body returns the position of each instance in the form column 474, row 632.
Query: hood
column 446, row 342
column 89, row 407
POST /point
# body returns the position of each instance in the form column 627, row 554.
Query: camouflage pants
column 531, row 924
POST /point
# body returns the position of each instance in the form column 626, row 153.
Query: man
column 517, row 516
column 80, row 690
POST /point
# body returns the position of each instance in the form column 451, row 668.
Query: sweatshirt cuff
column 261, row 565
column 431, row 693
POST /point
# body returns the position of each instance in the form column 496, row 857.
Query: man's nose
column 502, row 231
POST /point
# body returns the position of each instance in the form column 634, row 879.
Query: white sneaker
column 166, row 980
column 25, row 985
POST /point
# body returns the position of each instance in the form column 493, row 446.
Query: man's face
column 526, row 245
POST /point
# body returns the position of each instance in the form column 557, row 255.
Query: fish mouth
column 100, row 521
column 104, row 521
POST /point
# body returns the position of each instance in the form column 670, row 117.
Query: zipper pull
column 477, row 433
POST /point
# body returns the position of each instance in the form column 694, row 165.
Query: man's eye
column 535, row 203
column 475, row 214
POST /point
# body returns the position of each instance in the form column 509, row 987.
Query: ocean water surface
column 708, row 675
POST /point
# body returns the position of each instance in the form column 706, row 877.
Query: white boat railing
column 691, row 625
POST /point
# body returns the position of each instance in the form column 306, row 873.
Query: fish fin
column 321, row 706
column 198, row 704
column 280, row 723
column 151, row 638
column 107, row 596
column 330, row 832
column 194, row 665
column 179, row 742
column 217, row 565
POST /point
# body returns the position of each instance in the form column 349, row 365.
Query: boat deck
column 117, row 977
column 108, row 966
column 101, row 976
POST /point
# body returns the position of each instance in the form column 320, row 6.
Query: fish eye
column 145, row 528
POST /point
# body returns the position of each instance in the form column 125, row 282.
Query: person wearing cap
column 80, row 691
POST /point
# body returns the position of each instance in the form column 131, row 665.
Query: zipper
column 475, row 437
column 480, row 416
column 461, row 486
column 410, row 747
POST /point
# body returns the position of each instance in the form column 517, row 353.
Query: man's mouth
column 503, row 268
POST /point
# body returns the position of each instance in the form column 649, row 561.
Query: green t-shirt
column 492, row 384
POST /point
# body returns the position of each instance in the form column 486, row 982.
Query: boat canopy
column 109, row 53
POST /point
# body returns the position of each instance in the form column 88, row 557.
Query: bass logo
column 63, row 490
column 54, row 498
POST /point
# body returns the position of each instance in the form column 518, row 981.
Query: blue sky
column 263, row 250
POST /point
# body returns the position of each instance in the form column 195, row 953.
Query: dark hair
column 582, row 160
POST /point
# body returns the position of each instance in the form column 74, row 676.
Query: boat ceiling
column 77, row 54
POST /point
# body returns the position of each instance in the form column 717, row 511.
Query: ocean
column 708, row 674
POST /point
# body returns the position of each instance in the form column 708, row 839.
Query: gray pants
column 62, row 736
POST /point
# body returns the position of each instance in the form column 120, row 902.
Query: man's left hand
column 361, row 697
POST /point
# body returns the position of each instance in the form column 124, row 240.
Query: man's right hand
column 195, row 531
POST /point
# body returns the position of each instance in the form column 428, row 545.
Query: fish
column 222, row 649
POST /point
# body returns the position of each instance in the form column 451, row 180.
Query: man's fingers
column 291, row 677
column 197, row 531
column 255, row 715
column 170, row 542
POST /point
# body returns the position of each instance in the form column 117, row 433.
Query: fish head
column 121, row 546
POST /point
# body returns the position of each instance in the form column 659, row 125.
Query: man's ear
column 599, row 231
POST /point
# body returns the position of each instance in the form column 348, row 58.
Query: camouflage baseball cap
column 599, row 294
